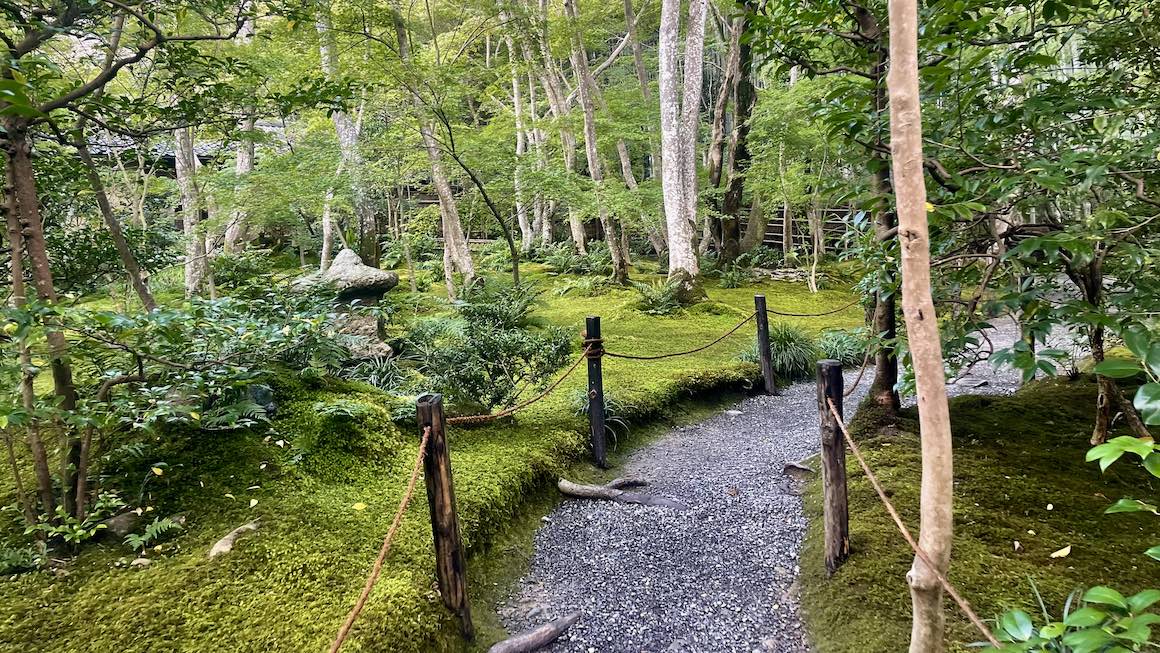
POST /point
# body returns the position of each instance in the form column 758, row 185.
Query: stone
column 118, row 526
column 141, row 563
column 355, row 281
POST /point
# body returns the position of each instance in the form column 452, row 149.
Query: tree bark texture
column 937, row 500
column 185, row 161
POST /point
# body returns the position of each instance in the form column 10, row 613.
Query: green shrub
column 658, row 298
column 154, row 532
column 1101, row 619
column 792, row 350
column 846, row 347
column 382, row 372
column 231, row 270
column 17, row 560
column 761, row 257
column 734, row 276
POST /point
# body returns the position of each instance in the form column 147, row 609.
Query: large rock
column 354, row 280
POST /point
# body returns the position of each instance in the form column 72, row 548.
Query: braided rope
column 963, row 605
column 858, row 380
column 481, row 419
column 683, row 353
column 386, row 547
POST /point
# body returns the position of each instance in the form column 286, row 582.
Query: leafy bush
column 615, row 412
column 1104, row 621
column 761, row 257
column 490, row 354
column 734, row 276
column 234, row 269
column 17, row 560
column 423, row 248
column 584, row 286
column 792, row 350
column 84, row 259
column 383, row 372
column 658, row 298
column 562, row 258
column 846, row 347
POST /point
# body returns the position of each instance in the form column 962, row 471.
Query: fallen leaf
column 359, row 506
column 230, row 496
column 253, row 502
column 158, row 471
column 195, row 416
column 1018, row 546
column 1050, row 507
column 1062, row 553
column 1030, row 532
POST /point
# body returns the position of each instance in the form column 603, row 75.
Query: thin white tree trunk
column 937, row 499
column 237, row 231
column 347, row 130
column 527, row 234
column 680, row 100
column 185, row 160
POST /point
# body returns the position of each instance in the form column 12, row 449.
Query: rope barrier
column 386, row 548
column 683, row 353
column 858, row 380
column 481, row 419
column 836, row 310
column 963, row 605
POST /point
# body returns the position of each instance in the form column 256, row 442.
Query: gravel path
column 721, row 576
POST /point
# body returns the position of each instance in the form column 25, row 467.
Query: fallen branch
column 610, row 493
column 536, row 638
column 226, row 544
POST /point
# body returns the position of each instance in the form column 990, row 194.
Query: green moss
column 334, row 445
column 1013, row 457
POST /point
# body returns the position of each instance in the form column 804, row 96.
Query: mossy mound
column 1020, row 477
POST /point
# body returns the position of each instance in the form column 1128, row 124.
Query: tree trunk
column 527, row 234
column 132, row 269
column 680, row 103
column 755, row 227
column 937, row 500
column 348, row 142
column 595, row 166
column 185, row 160
column 456, row 254
column 238, row 230
column 27, row 393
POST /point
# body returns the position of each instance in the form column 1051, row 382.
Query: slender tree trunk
column 527, row 235
column 680, row 103
column 27, row 393
column 642, row 79
column 185, row 159
column 347, row 131
column 237, row 231
column 883, row 390
column 456, row 254
column 937, row 500
column 132, row 268
column 755, row 227
column 595, row 165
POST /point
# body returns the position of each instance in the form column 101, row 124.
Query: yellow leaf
column 253, row 502
column 194, row 416
column 1062, row 553
column 230, row 496
column 929, row 207
column 158, row 471
column 359, row 506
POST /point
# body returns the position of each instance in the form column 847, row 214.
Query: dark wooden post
column 837, row 512
column 450, row 562
column 763, row 352
column 595, row 390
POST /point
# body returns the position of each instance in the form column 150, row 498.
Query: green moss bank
column 324, row 479
column 1020, row 477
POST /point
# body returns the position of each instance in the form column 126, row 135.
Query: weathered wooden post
column 450, row 562
column 763, row 345
column 595, row 390
column 837, row 512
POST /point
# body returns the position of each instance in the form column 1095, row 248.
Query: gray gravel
column 721, row 576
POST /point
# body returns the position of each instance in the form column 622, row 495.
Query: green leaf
column 1130, row 505
column 1105, row 596
column 1138, row 342
column 1152, row 464
column 1086, row 641
column 1017, row 624
column 1052, row 630
column 1118, row 368
column 1153, row 553
column 1147, row 401
column 1143, row 600
column 1085, row 617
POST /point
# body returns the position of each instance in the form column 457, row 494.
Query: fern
column 154, row 532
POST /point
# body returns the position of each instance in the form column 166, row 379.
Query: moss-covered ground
column 1020, row 477
column 333, row 448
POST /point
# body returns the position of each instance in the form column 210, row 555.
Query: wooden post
column 837, row 511
column 763, row 345
column 450, row 562
column 596, row 391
